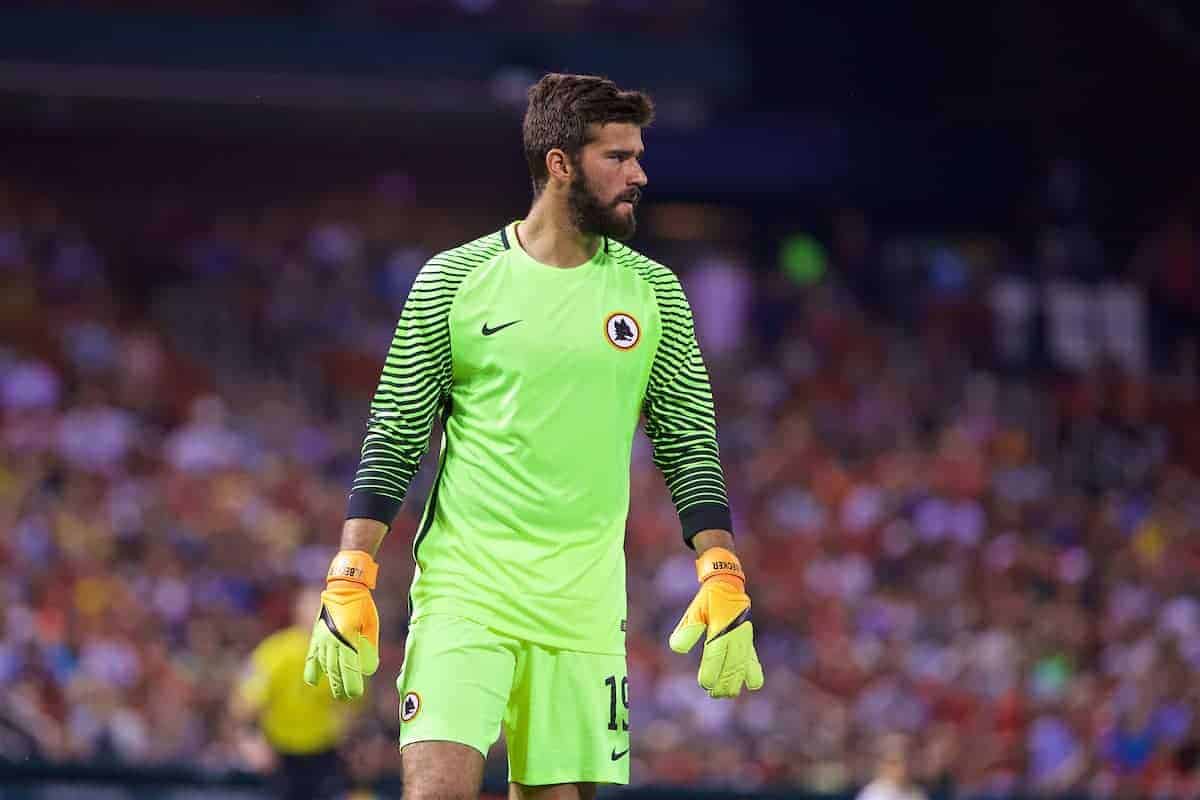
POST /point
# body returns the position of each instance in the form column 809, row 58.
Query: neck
column 549, row 236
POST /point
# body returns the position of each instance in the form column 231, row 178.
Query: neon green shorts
column 565, row 714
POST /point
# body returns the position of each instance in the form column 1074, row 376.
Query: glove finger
column 312, row 670
column 368, row 646
column 312, row 665
column 368, row 656
column 738, row 661
column 729, row 681
column 333, row 669
column 712, row 662
column 685, row 635
column 352, row 679
column 730, row 685
column 754, row 670
column 689, row 629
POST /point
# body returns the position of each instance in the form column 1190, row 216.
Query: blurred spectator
column 95, row 436
column 892, row 778
column 29, row 385
column 719, row 291
column 1168, row 260
column 205, row 443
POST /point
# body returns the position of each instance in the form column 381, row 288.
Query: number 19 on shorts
column 615, row 723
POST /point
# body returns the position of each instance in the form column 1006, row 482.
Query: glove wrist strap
column 719, row 562
column 354, row 565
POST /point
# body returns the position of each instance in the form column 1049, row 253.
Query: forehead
column 616, row 136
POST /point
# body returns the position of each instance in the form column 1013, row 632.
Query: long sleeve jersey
column 540, row 375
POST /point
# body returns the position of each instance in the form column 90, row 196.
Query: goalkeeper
column 539, row 346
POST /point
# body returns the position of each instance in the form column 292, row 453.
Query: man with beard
column 538, row 345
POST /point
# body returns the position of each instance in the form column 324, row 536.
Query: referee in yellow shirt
column 301, row 724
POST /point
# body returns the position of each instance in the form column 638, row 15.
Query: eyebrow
column 619, row 152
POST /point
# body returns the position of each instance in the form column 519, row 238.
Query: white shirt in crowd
column 882, row 789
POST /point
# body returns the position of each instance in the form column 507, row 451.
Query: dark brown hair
column 563, row 107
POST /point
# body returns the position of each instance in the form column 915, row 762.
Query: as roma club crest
column 410, row 706
column 622, row 330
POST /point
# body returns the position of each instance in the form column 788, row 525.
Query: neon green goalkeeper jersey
column 539, row 374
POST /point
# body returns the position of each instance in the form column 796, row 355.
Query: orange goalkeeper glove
column 721, row 609
column 345, row 637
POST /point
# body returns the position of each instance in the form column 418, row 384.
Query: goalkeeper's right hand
column 345, row 637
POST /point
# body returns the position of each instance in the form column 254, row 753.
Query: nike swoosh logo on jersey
column 617, row 756
column 489, row 331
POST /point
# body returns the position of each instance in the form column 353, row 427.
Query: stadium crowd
column 966, row 512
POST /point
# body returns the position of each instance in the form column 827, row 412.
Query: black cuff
column 367, row 505
column 707, row 516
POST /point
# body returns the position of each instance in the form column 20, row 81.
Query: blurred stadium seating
column 962, row 457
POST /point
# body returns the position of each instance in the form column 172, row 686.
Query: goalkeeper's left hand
column 721, row 609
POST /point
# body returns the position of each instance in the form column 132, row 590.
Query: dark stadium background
column 946, row 263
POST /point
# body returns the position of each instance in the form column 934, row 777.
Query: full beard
column 593, row 216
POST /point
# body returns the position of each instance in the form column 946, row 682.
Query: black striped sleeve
column 413, row 387
column 679, row 415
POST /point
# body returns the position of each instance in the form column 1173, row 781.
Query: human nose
column 638, row 178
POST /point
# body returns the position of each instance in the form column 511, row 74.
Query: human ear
column 558, row 165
